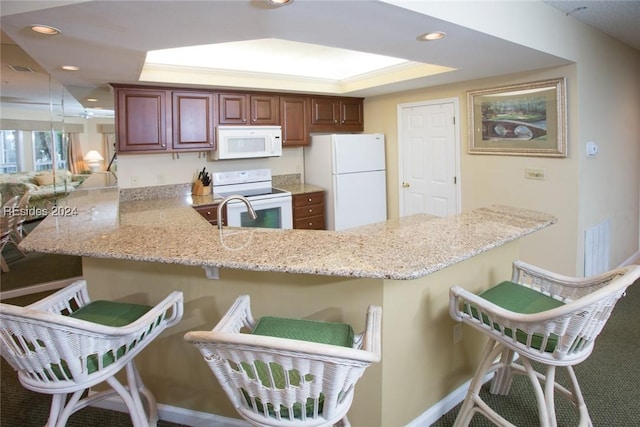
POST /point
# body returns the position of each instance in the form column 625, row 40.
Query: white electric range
column 272, row 205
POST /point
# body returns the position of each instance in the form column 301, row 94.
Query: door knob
column 406, row 184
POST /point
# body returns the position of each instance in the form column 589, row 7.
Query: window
column 9, row 151
column 43, row 158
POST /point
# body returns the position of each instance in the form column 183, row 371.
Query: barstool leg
column 491, row 350
column 542, row 401
column 585, row 419
column 501, row 382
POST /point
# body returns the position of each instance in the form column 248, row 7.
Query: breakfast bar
column 137, row 249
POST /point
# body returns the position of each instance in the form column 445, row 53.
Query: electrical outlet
column 135, row 181
column 457, row 333
column 531, row 173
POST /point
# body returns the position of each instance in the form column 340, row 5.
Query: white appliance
column 351, row 168
column 272, row 205
column 247, row 142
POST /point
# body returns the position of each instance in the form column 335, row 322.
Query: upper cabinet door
column 233, row 109
column 324, row 111
column 294, row 119
column 193, row 120
column 351, row 114
column 141, row 119
column 264, row 110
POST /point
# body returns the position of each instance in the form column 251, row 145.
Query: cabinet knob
column 310, row 210
column 309, row 198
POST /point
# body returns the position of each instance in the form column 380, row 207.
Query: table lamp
column 93, row 159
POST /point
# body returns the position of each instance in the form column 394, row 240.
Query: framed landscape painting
column 522, row 120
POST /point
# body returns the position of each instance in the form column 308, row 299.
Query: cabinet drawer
column 310, row 223
column 209, row 212
column 308, row 211
column 308, row 199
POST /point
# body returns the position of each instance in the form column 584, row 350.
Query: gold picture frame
column 526, row 119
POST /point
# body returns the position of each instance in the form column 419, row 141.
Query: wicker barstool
column 538, row 316
column 64, row 344
column 288, row 372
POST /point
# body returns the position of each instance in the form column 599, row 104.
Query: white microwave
column 248, row 142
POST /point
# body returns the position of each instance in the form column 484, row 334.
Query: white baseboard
column 633, row 259
column 40, row 287
column 438, row 410
column 178, row 415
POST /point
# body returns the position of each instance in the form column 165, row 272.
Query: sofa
column 44, row 194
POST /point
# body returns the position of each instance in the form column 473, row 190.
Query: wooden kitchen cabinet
column 157, row 119
column 308, row 211
column 210, row 213
column 248, row 109
column 193, row 120
column 295, row 119
column 142, row 119
column 336, row 114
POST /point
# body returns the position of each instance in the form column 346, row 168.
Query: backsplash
column 179, row 190
column 284, row 180
column 155, row 192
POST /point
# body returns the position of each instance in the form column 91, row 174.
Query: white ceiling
column 108, row 39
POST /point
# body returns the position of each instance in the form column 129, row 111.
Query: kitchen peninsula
column 138, row 250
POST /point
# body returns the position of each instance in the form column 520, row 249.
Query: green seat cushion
column 339, row 334
column 521, row 299
column 108, row 313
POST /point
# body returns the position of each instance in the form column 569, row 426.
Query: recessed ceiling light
column 45, row 29
column 92, row 99
column 70, row 68
column 279, row 2
column 436, row 35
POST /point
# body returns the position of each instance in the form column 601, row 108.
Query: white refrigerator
column 351, row 168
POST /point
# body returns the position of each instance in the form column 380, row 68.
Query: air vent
column 22, row 68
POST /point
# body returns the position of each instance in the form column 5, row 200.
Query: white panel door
column 428, row 160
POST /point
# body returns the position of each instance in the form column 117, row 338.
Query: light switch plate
column 534, row 173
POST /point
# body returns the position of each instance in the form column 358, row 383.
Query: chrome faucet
column 243, row 199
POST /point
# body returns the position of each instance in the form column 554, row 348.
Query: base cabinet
column 308, row 211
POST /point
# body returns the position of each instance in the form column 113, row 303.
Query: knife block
column 200, row 190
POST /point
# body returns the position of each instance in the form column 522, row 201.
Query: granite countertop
column 99, row 223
